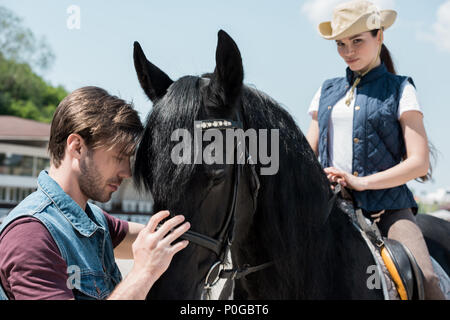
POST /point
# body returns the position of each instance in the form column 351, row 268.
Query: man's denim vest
column 82, row 238
column 378, row 142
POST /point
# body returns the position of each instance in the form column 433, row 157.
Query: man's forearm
column 135, row 286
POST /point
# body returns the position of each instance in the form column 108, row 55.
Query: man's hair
column 101, row 119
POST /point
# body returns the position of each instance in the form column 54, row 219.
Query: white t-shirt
column 340, row 131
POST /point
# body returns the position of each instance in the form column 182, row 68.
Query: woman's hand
column 346, row 179
column 415, row 165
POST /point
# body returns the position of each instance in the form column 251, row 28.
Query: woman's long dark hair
column 386, row 58
column 385, row 55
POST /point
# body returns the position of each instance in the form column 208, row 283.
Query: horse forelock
column 154, row 169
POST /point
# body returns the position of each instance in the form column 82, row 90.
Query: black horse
column 284, row 218
column 436, row 232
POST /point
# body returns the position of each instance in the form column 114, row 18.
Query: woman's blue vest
column 378, row 142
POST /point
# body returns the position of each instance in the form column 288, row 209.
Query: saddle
column 404, row 270
column 397, row 258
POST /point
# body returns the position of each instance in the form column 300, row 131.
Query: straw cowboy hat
column 354, row 17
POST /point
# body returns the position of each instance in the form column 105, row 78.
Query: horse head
column 217, row 196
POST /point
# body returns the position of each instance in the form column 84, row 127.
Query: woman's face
column 360, row 50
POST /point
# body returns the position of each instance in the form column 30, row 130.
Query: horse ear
column 229, row 72
column 154, row 81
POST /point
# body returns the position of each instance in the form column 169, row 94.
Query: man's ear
column 75, row 145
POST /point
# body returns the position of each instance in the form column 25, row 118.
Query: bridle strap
column 203, row 241
column 242, row 273
column 226, row 233
column 218, row 245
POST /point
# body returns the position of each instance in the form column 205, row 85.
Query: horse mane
column 152, row 170
column 292, row 207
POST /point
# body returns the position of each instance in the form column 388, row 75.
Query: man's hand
column 153, row 251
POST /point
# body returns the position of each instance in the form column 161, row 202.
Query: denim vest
column 378, row 142
column 82, row 237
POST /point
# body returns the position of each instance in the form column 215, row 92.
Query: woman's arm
column 313, row 134
column 416, row 164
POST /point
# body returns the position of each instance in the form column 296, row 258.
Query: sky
column 283, row 54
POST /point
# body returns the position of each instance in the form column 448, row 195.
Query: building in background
column 23, row 154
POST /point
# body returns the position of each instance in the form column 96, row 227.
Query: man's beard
column 91, row 182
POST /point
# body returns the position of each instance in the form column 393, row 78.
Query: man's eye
column 357, row 41
column 340, row 44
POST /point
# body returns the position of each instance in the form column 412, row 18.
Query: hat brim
column 360, row 25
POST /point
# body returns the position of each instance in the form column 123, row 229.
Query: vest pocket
column 92, row 285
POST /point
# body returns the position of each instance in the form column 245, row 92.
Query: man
column 56, row 245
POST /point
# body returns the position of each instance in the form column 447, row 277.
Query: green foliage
column 18, row 42
column 23, row 93
column 427, row 208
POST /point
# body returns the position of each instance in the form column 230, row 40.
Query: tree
column 23, row 93
column 18, row 42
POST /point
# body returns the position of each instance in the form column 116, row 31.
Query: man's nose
column 125, row 170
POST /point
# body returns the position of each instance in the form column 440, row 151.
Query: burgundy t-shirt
column 31, row 265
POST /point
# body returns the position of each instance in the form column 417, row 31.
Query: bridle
column 222, row 244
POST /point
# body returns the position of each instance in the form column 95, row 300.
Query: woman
column 367, row 129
